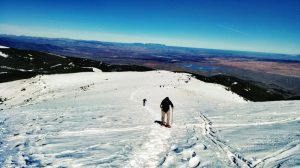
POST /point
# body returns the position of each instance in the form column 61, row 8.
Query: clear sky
column 254, row 25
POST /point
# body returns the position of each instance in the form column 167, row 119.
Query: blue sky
column 253, row 25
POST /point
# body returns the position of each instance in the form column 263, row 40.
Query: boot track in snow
column 209, row 133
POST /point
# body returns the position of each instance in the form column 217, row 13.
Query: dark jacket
column 165, row 104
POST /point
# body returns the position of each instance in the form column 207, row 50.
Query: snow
column 56, row 55
column 194, row 161
column 55, row 65
column 94, row 69
column 3, row 46
column 247, row 89
column 187, row 154
column 10, row 68
column 96, row 119
column 3, row 54
column 234, row 83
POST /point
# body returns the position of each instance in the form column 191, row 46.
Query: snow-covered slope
column 96, row 119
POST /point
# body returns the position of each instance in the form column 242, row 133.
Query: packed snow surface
column 97, row 119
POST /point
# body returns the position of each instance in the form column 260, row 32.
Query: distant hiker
column 144, row 102
column 165, row 108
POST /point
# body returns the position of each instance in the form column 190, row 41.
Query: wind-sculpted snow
column 97, row 119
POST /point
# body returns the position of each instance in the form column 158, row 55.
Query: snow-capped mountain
column 96, row 119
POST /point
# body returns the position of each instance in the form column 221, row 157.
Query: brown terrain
column 279, row 68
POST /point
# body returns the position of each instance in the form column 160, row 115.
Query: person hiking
column 165, row 109
column 144, row 102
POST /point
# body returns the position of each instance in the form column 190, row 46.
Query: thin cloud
column 233, row 30
column 100, row 36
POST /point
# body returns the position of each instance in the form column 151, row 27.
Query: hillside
column 22, row 64
column 97, row 119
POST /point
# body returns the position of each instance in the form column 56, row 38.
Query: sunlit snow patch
column 3, row 46
column 3, row 54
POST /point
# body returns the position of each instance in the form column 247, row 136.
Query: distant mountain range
column 113, row 52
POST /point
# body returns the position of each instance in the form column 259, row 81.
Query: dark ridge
column 245, row 89
column 294, row 98
column 23, row 64
column 7, row 77
column 278, row 60
column 29, row 45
